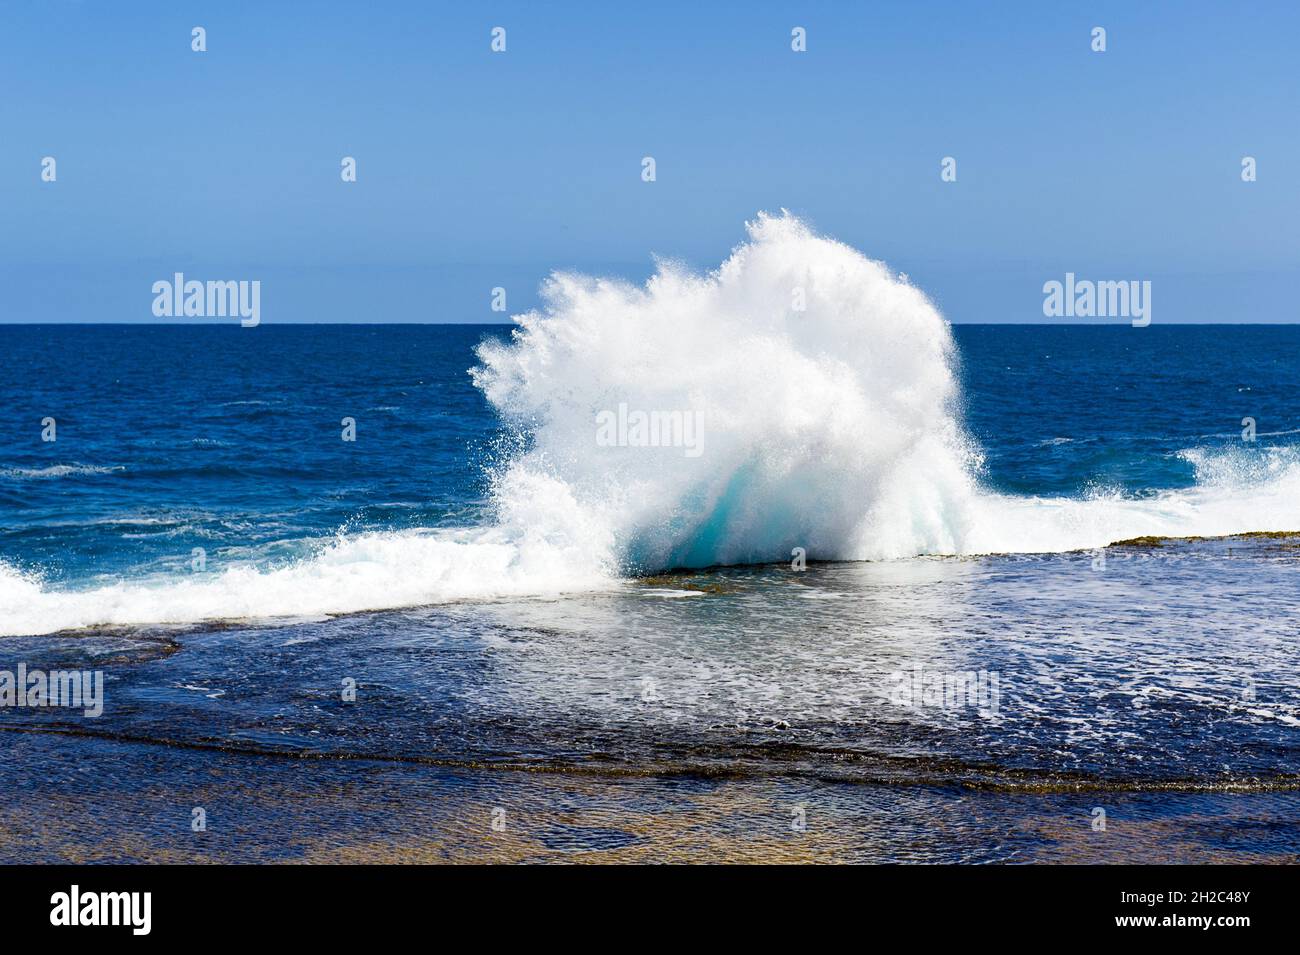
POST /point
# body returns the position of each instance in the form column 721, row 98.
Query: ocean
column 856, row 586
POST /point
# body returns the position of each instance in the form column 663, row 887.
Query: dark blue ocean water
column 1155, row 679
column 170, row 438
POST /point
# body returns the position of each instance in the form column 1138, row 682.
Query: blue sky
column 478, row 169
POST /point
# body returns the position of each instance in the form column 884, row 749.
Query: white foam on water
column 832, row 427
column 56, row 471
column 367, row 572
column 1237, row 490
column 823, row 389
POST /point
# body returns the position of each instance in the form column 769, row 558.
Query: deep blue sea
column 170, row 438
column 1057, row 512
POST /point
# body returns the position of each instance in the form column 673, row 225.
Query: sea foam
column 823, row 390
column 823, row 385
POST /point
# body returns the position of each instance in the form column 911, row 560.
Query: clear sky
column 479, row 169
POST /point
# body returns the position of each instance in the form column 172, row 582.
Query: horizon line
column 511, row 324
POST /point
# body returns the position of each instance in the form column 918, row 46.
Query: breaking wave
column 805, row 398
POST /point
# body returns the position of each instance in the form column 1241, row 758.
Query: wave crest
column 822, row 391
